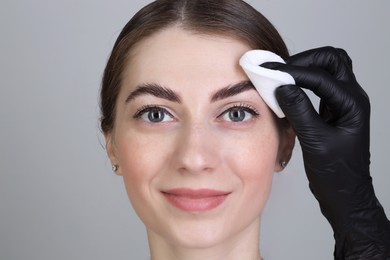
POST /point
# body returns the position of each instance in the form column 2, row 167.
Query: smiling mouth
column 190, row 200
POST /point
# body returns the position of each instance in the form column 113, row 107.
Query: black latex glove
column 335, row 145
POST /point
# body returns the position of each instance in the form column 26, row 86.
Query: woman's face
column 194, row 141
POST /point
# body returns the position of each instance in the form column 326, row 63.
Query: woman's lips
column 195, row 200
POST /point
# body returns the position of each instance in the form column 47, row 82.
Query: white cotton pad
column 266, row 80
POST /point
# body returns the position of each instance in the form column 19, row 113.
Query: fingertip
column 271, row 65
column 289, row 95
column 297, row 107
column 345, row 57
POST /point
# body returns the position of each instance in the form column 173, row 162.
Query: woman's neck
column 243, row 246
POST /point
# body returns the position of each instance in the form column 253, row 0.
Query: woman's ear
column 286, row 146
column 111, row 152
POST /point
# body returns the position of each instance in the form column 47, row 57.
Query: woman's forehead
column 174, row 55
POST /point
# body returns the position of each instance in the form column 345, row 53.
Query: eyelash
column 247, row 108
column 148, row 108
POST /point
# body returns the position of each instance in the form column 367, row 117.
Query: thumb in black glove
column 335, row 147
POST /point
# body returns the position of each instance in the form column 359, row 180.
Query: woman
column 197, row 145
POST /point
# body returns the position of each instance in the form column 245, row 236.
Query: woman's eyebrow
column 168, row 94
column 232, row 90
column 155, row 90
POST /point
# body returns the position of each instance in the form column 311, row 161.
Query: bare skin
column 187, row 119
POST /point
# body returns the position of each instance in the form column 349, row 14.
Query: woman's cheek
column 136, row 169
column 257, row 163
column 142, row 157
column 257, row 151
column 260, row 170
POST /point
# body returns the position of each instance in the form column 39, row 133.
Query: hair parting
column 230, row 18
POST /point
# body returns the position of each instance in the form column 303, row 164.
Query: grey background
column 58, row 196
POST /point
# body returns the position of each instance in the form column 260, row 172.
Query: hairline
column 143, row 26
column 187, row 27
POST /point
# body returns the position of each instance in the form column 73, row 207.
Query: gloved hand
column 335, row 145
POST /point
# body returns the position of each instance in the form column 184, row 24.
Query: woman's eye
column 154, row 115
column 238, row 114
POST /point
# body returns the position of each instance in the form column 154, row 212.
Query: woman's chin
column 196, row 236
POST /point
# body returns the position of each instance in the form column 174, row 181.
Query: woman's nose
column 197, row 150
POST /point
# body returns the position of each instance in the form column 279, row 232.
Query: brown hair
column 233, row 18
